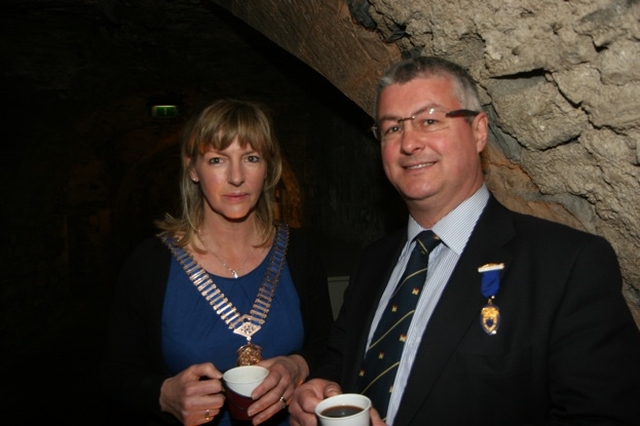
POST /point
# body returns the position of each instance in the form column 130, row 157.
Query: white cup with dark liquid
column 347, row 409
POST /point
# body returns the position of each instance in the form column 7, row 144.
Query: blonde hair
column 217, row 126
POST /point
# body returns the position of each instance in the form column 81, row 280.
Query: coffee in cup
column 347, row 409
column 341, row 411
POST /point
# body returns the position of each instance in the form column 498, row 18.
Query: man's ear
column 480, row 127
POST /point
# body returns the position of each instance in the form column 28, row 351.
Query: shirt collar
column 456, row 227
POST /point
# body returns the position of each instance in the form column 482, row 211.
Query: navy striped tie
column 383, row 355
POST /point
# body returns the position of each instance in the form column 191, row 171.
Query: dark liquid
column 341, row 411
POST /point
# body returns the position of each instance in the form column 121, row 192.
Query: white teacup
column 240, row 382
column 244, row 379
column 347, row 409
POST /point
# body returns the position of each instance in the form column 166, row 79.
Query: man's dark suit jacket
column 567, row 350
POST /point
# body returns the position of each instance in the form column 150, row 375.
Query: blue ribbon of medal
column 490, row 313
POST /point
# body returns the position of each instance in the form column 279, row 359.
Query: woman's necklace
column 234, row 272
column 244, row 325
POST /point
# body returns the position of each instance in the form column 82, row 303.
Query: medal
column 490, row 318
column 250, row 353
column 490, row 313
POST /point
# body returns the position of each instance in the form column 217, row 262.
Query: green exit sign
column 164, row 111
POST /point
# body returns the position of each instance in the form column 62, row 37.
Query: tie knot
column 427, row 240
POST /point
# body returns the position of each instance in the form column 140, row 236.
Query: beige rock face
column 560, row 80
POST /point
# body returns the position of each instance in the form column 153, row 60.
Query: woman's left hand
column 273, row 394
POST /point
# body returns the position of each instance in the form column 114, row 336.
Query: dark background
column 86, row 169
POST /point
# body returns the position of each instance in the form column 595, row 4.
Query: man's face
column 434, row 171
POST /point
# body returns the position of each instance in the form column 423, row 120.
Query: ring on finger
column 284, row 402
column 207, row 416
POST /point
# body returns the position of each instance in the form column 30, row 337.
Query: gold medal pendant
column 249, row 354
column 490, row 318
column 490, row 313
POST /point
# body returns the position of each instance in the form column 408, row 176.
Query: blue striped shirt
column 454, row 231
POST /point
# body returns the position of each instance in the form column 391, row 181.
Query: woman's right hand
column 194, row 396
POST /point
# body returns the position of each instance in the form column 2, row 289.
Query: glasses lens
column 390, row 129
column 430, row 121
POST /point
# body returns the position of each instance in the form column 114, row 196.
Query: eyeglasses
column 430, row 120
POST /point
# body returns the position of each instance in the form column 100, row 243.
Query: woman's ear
column 192, row 173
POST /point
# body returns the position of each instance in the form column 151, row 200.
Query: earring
column 195, row 180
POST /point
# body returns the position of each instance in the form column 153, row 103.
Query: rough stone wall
column 560, row 80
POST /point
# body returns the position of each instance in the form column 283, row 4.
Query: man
column 520, row 321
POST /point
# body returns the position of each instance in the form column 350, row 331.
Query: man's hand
column 375, row 418
column 306, row 397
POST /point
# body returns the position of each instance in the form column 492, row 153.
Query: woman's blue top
column 193, row 333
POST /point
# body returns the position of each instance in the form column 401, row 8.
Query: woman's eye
column 215, row 160
column 253, row 158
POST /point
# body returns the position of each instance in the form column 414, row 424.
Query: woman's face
column 231, row 180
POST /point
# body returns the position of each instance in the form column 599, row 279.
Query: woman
column 221, row 285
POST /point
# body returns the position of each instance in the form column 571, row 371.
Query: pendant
column 247, row 328
column 234, row 273
column 249, row 354
column 490, row 313
column 490, row 318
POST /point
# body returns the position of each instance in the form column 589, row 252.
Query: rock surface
column 560, row 80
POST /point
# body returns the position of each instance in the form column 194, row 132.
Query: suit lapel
column 458, row 307
column 375, row 272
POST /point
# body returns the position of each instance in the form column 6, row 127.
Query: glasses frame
column 455, row 113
